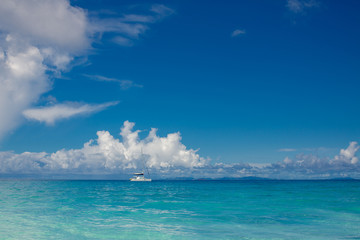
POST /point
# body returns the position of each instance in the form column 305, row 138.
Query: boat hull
column 140, row 180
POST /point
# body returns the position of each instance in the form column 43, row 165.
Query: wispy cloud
column 122, row 41
column 138, row 18
column 115, row 25
column 124, row 84
column 161, row 10
column 51, row 114
column 287, row 150
column 237, row 32
column 299, row 6
column 129, row 27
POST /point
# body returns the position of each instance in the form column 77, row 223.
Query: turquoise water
column 180, row 210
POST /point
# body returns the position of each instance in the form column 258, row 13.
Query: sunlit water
column 180, row 210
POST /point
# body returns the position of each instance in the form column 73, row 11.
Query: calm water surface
column 180, row 210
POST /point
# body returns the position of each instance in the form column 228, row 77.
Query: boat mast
column 143, row 162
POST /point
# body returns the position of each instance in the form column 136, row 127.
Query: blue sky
column 243, row 81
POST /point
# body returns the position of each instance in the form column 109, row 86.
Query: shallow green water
column 180, row 210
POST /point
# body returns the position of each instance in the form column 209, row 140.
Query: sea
column 248, row 209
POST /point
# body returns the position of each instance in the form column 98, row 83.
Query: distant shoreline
column 28, row 178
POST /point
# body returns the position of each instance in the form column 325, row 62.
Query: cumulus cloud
column 299, row 6
column 51, row 114
column 40, row 38
column 107, row 155
column 237, row 32
column 348, row 154
column 45, row 23
column 22, row 81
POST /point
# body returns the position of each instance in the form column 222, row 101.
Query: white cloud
column 22, row 81
column 237, row 32
column 348, row 154
column 51, row 114
column 46, row 23
column 299, row 6
column 40, row 38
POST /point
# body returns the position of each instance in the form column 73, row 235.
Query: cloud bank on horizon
column 166, row 157
column 39, row 39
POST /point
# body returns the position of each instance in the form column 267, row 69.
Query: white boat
column 139, row 177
